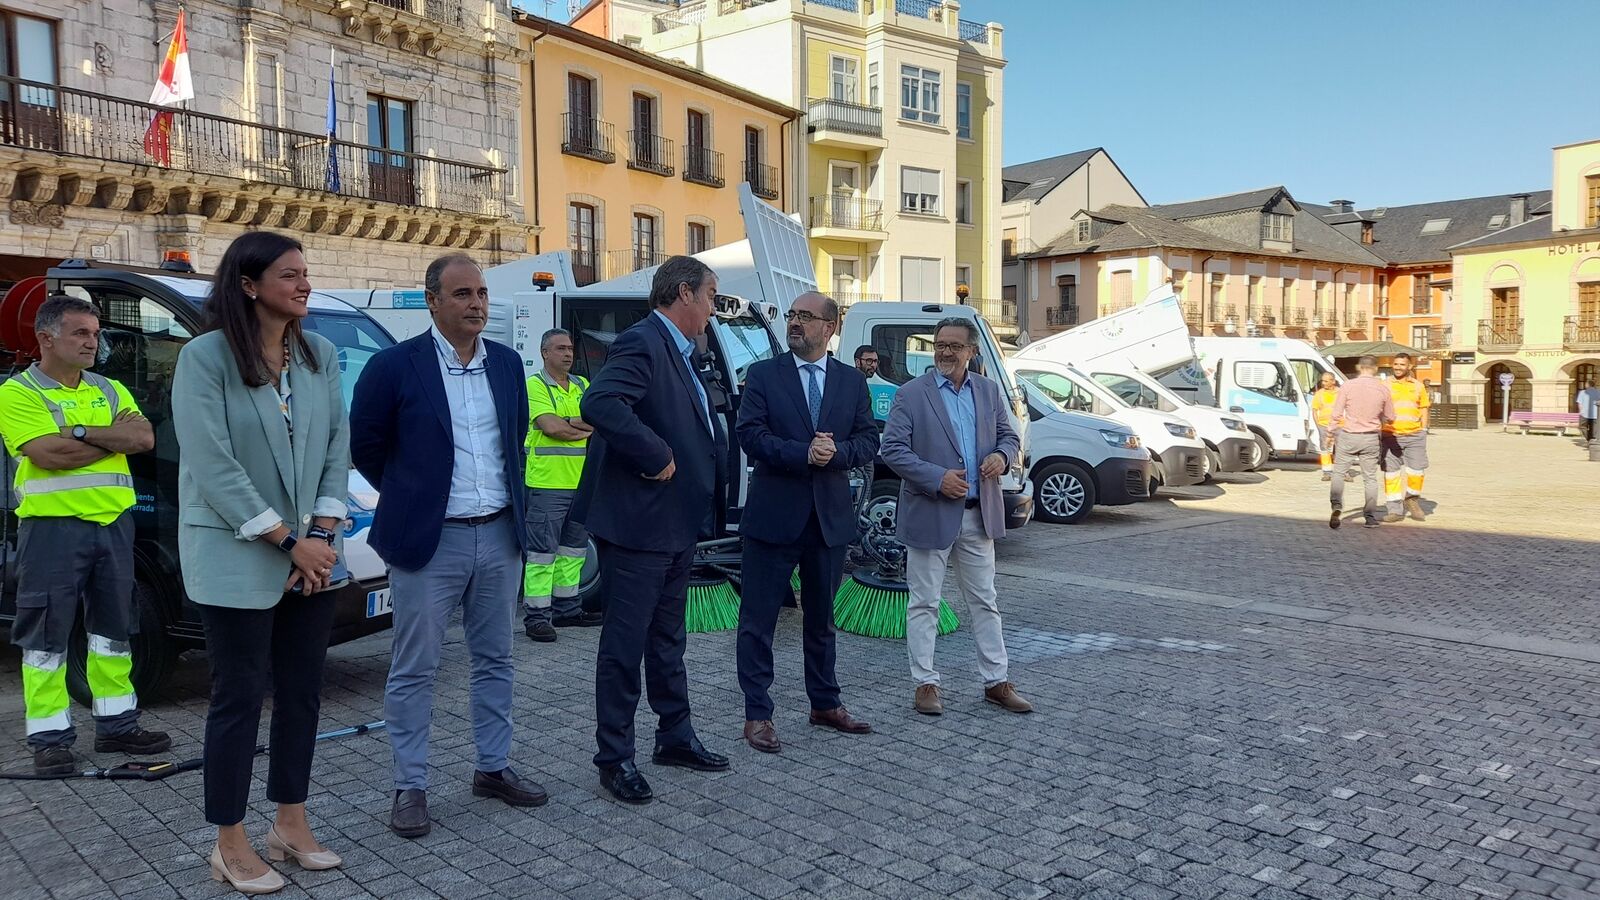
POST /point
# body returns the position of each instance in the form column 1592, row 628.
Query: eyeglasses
column 803, row 317
column 948, row 347
column 454, row 369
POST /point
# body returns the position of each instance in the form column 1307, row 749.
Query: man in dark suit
column 437, row 426
column 646, row 495
column 805, row 421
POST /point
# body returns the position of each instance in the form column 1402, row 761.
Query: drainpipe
column 1205, row 289
column 533, row 122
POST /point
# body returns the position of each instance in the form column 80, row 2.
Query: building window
column 920, row 280
column 1121, row 289
column 28, row 51
column 1505, row 308
column 964, row 276
column 1276, row 227
column 1421, row 294
column 843, row 82
column 1589, row 304
column 1591, row 215
column 1383, row 295
column 268, row 112
column 1219, row 285
column 1067, row 293
column 581, row 241
column 1252, row 298
column 919, row 94
column 389, row 127
column 1008, row 243
column 1084, row 230
column 919, row 190
column 963, row 110
column 872, row 85
column 1349, row 311
column 1319, row 302
column 1288, row 302
column 1419, row 337
column 845, row 284
column 699, row 238
column 963, row 202
column 644, row 241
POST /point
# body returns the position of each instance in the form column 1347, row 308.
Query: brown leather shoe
column 762, row 736
column 1414, row 509
column 927, row 701
column 839, row 719
column 1005, row 696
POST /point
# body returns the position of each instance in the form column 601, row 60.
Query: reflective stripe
column 34, row 377
column 542, row 602
column 61, row 721
column 38, row 486
column 43, row 660
column 564, row 591
column 560, row 451
column 115, row 706
column 100, row 645
column 542, row 559
column 572, row 552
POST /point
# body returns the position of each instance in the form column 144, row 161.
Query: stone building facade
column 433, row 82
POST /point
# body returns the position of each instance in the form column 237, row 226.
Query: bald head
column 812, row 321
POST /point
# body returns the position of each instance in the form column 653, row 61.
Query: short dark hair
column 58, row 307
column 684, row 270
column 544, row 339
column 433, row 279
column 864, row 349
column 958, row 322
column 1403, row 355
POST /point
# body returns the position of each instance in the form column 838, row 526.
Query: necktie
column 813, row 393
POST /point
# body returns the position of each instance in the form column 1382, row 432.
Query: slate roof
column 1538, row 228
column 1397, row 234
column 1032, row 180
column 1214, row 206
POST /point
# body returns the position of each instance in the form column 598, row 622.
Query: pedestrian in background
column 866, row 360
column 263, row 477
column 805, row 422
column 558, row 441
column 1322, row 413
column 70, row 431
column 647, row 496
column 1363, row 405
column 949, row 439
column 1405, row 444
column 1589, row 408
column 437, row 426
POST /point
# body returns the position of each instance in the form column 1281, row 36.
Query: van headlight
column 1233, row 424
column 1126, row 440
column 1176, row 430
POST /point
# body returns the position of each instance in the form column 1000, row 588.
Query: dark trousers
column 1588, row 429
column 766, row 571
column 645, row 597
column 251, row 650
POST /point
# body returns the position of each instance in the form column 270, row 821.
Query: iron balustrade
column 586, row 263
column 71, row 122
column 922, row 9
column 445, row 12
column 588, row 137
column 1499, row 334
column 1065, row 316
column 649, row 152
column 845, row 117
column 974, row 32
column 762, row 178
column 632, row 259
column 846, row 211
column 702, row 165
column 1582, row 333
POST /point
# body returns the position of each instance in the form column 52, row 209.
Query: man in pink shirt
column 1360, row 410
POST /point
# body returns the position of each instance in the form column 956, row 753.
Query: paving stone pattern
column 1233, row 702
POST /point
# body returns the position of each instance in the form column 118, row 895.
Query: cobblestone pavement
column 1233, row 701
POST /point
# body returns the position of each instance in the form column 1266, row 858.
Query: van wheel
column 1263, row 452
column 590, row 597
column 1210, row 463
column 1063, row 493
column 155, row 653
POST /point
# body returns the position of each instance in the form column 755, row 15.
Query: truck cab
column 146, row 316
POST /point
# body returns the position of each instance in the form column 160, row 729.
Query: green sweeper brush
column 875, row 606
column 713, row 603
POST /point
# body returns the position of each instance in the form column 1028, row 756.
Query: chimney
column 1519, row 210
column 1342, row 206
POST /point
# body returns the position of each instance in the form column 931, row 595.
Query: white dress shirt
column 478, row 478
column 805, row 377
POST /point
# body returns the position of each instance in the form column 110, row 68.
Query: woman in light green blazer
column 263, row 471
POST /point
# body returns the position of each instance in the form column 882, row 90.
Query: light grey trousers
column 1352, row 450
column 973, row 558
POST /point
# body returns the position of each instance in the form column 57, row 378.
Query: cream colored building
column 434, row 83
column 898, row 157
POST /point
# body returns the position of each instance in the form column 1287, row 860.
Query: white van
column 1178, row 456
column 1230, row 445
column 1080, row 461
column 1265, row 381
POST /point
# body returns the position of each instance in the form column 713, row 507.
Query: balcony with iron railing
column 1440, row 339
column 627, row 261
column 1355, row 321
column 69, row 122
column 1191, row 313
column 587, row 264
column 862, row 217
column 1499, row 335
column 1061, row 316
column 850, row 298
column 1261, row 316
column 455, row 13
column 1221, row 313
column 1324, row 320
column 929, row 15
column 844, row 124
column 762, row 178
column 588, row 137
column 702, row 165
column 649, row 152
column 1581, row 333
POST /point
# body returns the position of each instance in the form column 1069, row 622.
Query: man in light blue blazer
column 949, row 439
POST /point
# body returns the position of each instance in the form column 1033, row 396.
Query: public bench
column 1557, row 422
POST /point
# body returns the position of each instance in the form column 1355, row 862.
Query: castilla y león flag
column 173, row 85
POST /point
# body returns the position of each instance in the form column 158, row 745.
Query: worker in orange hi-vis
column 1322, row 411
column 1404, row 452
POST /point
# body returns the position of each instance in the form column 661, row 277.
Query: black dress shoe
column 53, row 762
column 409, row 818
column 626, row 783
column 579, row 620
column 508, row 786
column 694, row 756
column 137, row 742
column 540, row 631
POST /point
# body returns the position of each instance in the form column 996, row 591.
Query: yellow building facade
column 1527, row 300
column 629, row 158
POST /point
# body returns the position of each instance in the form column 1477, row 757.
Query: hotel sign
column 1575, row 249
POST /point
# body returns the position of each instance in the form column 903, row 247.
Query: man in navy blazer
column 437, row 425
column 805, row 420
column 646, row 496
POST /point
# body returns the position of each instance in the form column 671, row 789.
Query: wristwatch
column 288, row 542
column 80, row 433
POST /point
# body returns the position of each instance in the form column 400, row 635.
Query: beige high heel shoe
column 269, row 883
column 278, row 849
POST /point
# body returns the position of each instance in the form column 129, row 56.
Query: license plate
column 379, row 603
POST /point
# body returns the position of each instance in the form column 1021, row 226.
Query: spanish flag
column 174, row 84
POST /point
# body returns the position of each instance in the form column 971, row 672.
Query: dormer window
column 1276, row 227
column 1083, row 231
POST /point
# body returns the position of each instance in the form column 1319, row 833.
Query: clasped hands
column 954, row 483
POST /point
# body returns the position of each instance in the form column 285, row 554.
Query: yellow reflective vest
column 1322, row 406
column 32, row 405
column 1410, row 399
column 554, row 463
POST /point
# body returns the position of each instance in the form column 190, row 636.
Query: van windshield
column 1069, row 394
column 1134, row 392
column 745, row 341
column 357, row 339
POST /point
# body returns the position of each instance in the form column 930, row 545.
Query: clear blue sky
column 1383, row 103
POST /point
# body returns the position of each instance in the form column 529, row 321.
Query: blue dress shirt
column 962, row 405
column 686, row 350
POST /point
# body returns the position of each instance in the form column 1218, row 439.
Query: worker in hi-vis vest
column 1404, row 453
column 1322, row 412
column 557, row 441
column 70, row 431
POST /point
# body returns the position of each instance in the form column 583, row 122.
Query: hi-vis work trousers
column 1405, row 461
column 63, row 565
column 556, row 550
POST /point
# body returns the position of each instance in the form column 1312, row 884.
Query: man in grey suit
column 949, row 439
